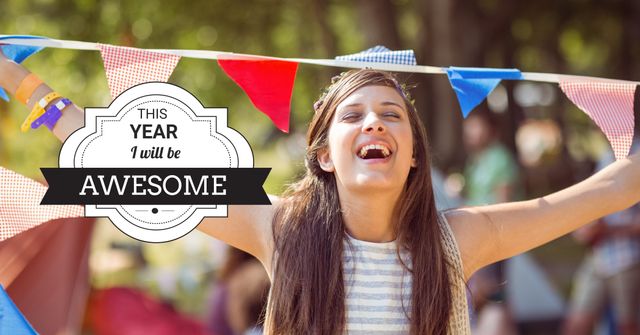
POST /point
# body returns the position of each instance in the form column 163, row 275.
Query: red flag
column 610, row 105
column 20, row 207
column 267, row 82
column 46, row 273
column 126, row 67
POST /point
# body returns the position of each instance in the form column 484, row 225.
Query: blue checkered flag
column 381, row 54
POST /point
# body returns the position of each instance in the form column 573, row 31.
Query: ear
column 325, row 161
column 414, row 164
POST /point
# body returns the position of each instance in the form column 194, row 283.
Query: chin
column 375, row 183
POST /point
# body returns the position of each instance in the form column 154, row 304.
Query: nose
column 372, row 124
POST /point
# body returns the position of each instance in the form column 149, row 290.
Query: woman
column 367, row 191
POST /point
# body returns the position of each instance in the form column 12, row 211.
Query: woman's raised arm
column 12, row 74
column 246, row 227
column 487, row 234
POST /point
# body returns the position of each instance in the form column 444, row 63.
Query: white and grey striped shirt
column 378, row 288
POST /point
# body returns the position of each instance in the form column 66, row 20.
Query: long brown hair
column 308, row 293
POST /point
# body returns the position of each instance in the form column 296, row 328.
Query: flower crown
column 403, row 89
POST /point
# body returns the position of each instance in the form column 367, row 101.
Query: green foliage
column 257, row 27
column 588, row 43
column 574, row 37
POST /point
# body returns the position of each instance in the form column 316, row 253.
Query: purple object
column 51, row 115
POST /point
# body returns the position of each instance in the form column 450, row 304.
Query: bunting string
column 209, row 54
column 268, row 81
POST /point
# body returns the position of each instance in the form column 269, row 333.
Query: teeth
column 384, row 149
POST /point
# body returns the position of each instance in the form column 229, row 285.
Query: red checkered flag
column 609, row 104
column 127, row 67
column 20, row 207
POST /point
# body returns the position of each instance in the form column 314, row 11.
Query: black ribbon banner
column 155, row 186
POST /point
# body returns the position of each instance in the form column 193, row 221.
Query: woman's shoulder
column 448, row 236
column 460, row 317
column 452, row 233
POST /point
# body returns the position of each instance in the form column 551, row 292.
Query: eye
column 392, row 115
column 350, row 116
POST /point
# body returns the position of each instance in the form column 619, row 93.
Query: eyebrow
column 384, row 103
column 391, row 103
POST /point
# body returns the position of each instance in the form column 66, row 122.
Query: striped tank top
column 378, row 287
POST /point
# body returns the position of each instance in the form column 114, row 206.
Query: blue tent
column 11, row 320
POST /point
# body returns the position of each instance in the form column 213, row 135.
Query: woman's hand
column 625, row 175
column 4, row 64
column 12, row 74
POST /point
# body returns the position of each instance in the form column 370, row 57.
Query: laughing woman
column 357, row 244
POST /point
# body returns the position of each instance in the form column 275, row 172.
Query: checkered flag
column 610, row 105
column 20, row 207
column 127, row 67
column 381, row 54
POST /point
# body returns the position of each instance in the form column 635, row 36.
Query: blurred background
column 545, row 142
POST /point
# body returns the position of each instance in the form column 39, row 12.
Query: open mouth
column 374, row 151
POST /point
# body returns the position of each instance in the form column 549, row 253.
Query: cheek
column 339, row 146
column 407, row 142
column 410, row 155
column 341, row 137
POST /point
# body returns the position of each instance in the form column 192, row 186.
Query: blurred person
column 610, row 272
column 445, row 198
column 357, row 245
column 248, row 293
column 239, row 295
column 491, row 176
column 491, row 173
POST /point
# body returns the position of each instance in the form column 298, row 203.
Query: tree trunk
column 436, row 100
column 378, row 22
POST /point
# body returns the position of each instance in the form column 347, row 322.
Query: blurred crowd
column 224, row 290
column 605, row 295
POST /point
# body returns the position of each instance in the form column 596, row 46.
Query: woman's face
column 370, row 142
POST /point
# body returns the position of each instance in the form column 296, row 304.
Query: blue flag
column 473, row 85
column 381, row 54
column 17, row 53
column 11, row 320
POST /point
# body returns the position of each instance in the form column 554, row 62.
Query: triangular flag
column 609, row 104
column 20, row 205
column 17, row 53
column 3, row 95
column 473, row 85
column 382, row 54
column 127, row 67
column 46, row 272
column 267, row 82
column 11, row 320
